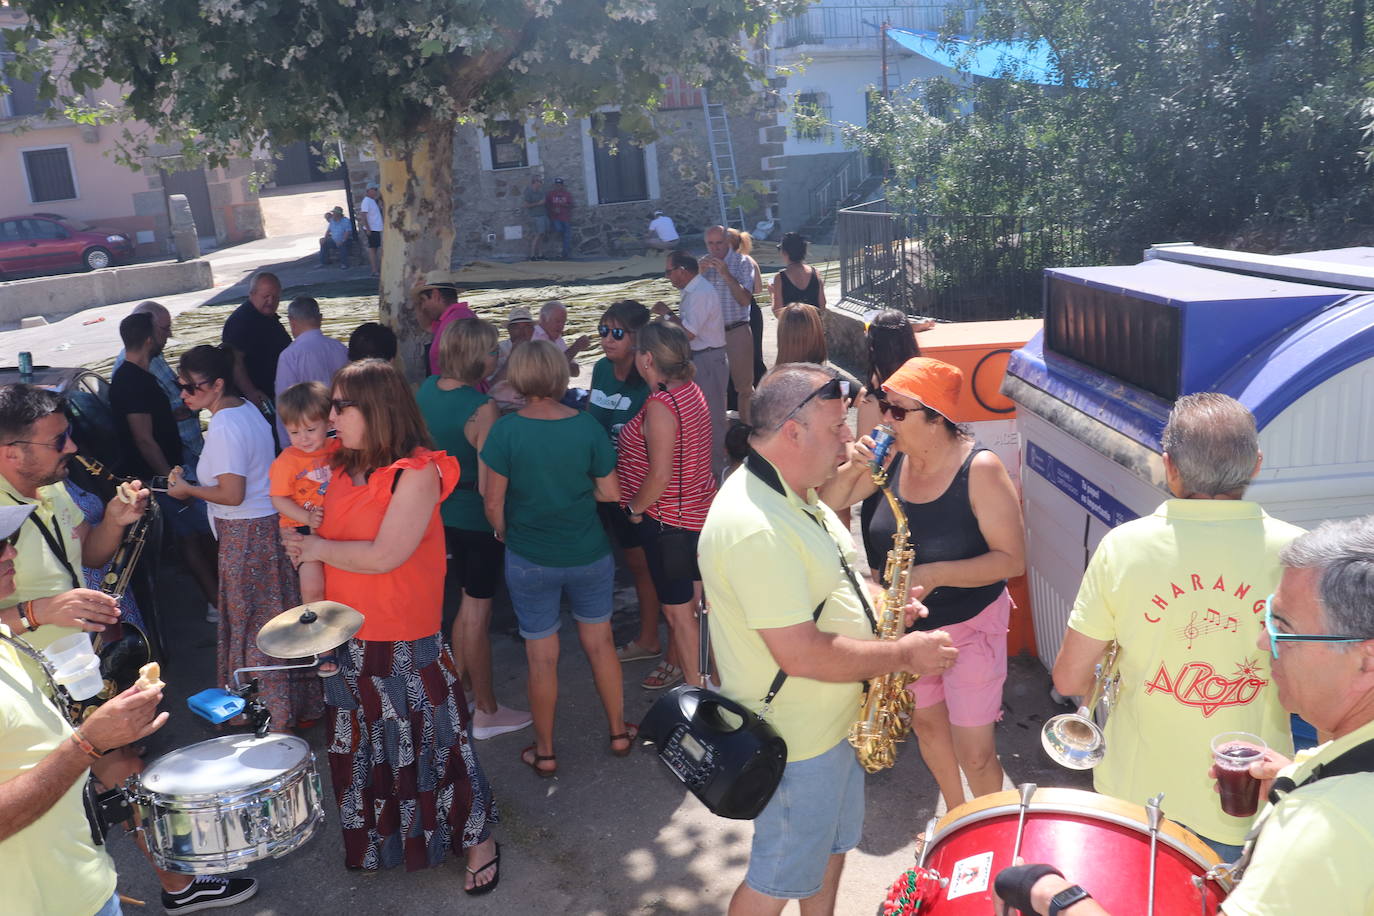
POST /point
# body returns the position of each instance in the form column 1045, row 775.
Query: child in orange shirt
column 299, row 477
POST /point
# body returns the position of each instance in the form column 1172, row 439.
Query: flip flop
column 536, row 759
column 495, row 862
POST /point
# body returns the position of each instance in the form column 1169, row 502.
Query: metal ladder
column 722, row 160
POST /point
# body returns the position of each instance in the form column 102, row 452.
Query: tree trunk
column 417, row 197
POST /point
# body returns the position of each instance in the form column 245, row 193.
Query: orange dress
column 406, row 603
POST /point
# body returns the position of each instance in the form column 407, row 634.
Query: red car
column 41, row 243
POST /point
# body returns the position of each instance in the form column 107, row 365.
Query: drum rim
column 1054, row 800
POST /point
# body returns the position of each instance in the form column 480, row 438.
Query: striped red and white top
column 691, row 488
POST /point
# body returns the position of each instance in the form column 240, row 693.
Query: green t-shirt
column 446, row 413
column 552, row 466
column 613, row 402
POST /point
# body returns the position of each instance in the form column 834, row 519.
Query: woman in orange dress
column 405, row 775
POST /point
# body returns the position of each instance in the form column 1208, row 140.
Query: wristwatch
column 1067, row 898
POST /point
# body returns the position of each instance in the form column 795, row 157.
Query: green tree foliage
column 222, row 76
column 1172, row 119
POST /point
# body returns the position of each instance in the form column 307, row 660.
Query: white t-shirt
column 239, row 441
column 663, row 227
column 700, row 312
column 372, row 215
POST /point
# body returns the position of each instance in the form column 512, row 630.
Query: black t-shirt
column 134, row 389
column 260, row 338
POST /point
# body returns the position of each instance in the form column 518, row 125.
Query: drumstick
column 125, row 898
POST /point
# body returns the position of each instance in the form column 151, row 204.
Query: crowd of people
column 321, row 475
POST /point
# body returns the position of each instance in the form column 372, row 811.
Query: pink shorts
column 972, row 689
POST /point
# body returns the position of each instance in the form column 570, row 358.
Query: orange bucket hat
column 935, row 384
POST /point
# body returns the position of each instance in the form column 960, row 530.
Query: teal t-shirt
column 446, row 413
column 613, row 402
column 552, row 466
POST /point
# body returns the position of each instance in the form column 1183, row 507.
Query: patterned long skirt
column 256, row 583
column 405, row 775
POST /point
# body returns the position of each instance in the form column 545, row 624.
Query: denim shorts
column 111, row 907
column 537, row 591
column 182, row 519
column 817, row 812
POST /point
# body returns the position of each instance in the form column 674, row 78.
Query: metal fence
column 957, row 268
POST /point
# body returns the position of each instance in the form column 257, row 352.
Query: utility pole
column 882, row 37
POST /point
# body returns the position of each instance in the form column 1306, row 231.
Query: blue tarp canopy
column 994, row 60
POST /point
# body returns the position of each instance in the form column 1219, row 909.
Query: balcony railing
column 851, row 25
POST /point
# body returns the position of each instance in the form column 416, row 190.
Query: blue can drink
column 25, row 365
column 883, row 438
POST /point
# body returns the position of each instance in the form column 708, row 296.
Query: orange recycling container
column 981, row 350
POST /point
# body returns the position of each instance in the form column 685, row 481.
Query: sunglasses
column 896, row 413
column 833, row 390
column 341, row 404
column 190, row 387
column 1275, row 637
column 615, row 333
column 58, row 444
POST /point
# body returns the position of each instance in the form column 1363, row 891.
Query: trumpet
column 1073, row 739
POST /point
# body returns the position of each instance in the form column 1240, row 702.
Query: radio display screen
column 692, row 747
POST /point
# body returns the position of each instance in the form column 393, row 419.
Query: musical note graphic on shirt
column 1210, row 623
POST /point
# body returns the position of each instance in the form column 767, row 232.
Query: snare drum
column 216, row 806
column 1099, row 842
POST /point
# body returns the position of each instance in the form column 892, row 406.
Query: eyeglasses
column 341, row 404
column 833, row 390
column 615, row 333
column 191, row 387
column 1275, row 637
column 669, row 271
column 57, row 444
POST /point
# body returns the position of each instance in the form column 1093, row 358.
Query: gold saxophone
column 885, row 714
column 115, row 582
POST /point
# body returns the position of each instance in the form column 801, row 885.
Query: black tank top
column 943, row 529
column 811, row 295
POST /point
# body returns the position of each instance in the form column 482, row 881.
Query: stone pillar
column 184, row 235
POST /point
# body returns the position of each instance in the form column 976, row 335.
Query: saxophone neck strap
column 54, row 541
column 764, row 471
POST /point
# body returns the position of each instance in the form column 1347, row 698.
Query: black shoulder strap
column 55, row 544
column 760, row 468
column 1359, row 759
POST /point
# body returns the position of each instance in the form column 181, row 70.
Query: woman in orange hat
column 965, row 521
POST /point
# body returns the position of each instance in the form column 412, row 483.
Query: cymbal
column 309, row 629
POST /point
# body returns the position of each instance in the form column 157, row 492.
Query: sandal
column 629, row 735
column 665, row 674
column 480, row 889
column 633, row 652
column 534, row 760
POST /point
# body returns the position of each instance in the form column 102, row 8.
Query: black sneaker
column 209, row 892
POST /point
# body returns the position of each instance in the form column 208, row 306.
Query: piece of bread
column 149, row 677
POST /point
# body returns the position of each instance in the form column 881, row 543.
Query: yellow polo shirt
column 765, row 563
column 1182, row 590
column 1314, row 851
column 38, row 572
column 51, row 867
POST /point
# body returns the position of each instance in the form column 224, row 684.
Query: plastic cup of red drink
column 1234, row 753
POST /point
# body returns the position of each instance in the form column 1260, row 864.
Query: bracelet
column 26, row 614
column 80, row 741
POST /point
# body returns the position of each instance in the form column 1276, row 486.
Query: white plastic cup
column 69, row 649
column 81, row 677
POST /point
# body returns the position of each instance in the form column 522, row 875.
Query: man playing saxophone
column 778, row 568
column 1183, row 593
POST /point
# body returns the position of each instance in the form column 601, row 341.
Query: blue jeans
column 562, row 227
column 111, row 907
column 536, row 592
column 327, row 245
